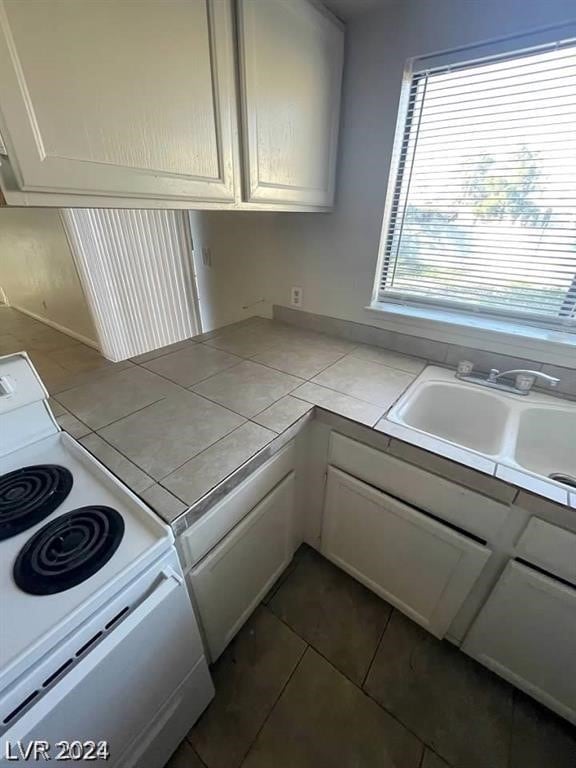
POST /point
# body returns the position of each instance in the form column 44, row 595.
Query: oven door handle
column 170, row 581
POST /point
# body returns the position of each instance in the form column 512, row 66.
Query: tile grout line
column 138, row 410
column 252, row 359
column 208, row 447
column 219, row 440
column 422, row 756
column 276, row 700
column 320, row 653
column 397, row 719
column 354, row 397
column 358, row 688
column 186, row 387
column 378, row 644
column 298, row 375
column 131, row 461
column 243, row 415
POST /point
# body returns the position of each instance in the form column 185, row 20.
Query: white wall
column 37, row 271
column 333, row 256
column 243, row 267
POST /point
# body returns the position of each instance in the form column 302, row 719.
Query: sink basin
column 546, row 441
column 535, row 434
column 470, row 417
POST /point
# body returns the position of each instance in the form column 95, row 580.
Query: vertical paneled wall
column 136, row 269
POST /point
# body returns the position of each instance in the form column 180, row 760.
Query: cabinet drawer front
column 230, row 582
column 467, row 509
column 200, row 538
column 549, row 547
column 419, row 565
column 525, row 633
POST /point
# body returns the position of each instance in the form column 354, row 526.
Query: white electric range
column 98, row 641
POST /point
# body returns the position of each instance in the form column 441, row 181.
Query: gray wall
column 333, row 256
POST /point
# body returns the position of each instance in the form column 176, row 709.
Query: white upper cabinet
column 134, row 104
column 119, row 98
column 291, row 56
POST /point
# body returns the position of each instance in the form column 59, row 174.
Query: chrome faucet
column 523, row 383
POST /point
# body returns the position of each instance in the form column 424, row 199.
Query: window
column 482, row 215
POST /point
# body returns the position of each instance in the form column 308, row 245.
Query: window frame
column 445, row 311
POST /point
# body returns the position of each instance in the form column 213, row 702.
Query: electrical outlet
column 296, row 296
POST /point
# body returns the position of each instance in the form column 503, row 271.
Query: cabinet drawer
column 201, row 537
column 467, row 509
column 230, row 582
column 549, row 547
column 525, row 633
column 419, row 565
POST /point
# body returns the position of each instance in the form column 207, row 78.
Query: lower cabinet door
column 526, row 632
column 234, row 577
column 422, row 567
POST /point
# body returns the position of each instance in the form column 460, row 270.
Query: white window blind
column 483, row 213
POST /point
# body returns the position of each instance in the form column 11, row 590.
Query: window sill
column 555, row 347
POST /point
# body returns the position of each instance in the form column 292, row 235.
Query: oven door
column 138, row 690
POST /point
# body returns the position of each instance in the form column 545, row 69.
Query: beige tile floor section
column 175, row 422
column 327, row 675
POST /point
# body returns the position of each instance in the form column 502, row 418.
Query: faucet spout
column 523, row 383
column 525, row 379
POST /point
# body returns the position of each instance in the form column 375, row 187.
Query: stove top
column 72, row 536
column 55, row 574
column 30, row 494
column 69, row 550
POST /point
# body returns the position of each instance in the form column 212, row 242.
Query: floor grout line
column 378, row 644
column 358, row 688
column 422, row 756
column 361, row 689
column 273, row 707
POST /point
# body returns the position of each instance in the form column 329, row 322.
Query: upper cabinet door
column 291, row 56
column 131, row 99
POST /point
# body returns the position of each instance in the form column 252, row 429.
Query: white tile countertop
column 184, row 424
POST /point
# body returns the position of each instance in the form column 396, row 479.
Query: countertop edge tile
column 529, row 482
column 195, row 511
column 226, row 451
column 163, row 502
column 437, row 446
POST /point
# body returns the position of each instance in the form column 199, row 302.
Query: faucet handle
column 525, row 381
column 465, row 367
column 493, row 375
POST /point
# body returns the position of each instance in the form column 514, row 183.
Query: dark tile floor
column 326, row 675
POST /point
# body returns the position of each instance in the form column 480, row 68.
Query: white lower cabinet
column 526, row 632
column 234, row 577
column 424, row 568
